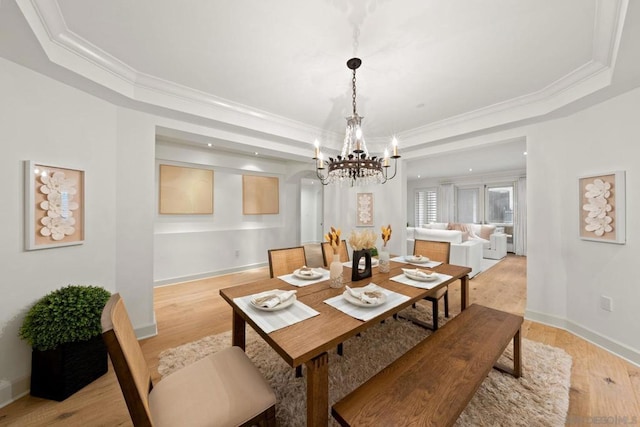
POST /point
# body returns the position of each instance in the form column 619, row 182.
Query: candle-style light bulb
column 394, row 142
column 386, row 158
column 320, row 164
column 358, row 138
column 316, row 143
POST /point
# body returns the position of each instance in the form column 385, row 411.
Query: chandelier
column 354, row 165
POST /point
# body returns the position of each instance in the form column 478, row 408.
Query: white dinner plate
column 280, row 306
column 416, row 260
column 374, row 262
column 355, row 301
column 314, row 275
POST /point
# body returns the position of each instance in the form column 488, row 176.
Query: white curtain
column 520, row 226
column 447, row 207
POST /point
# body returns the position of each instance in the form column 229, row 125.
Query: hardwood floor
column 602, row 385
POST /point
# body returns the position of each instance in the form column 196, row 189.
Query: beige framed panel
column 185, row 191
column 364, row 210
column 260, row 195
column 602, row 208
column 54, row 206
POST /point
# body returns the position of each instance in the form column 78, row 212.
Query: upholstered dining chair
column 327, row 252
column 223, row 389
column 435, row 251
column 285, row 261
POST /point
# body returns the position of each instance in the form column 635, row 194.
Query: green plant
column 69, row 314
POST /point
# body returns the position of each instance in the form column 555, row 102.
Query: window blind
column 426, row 206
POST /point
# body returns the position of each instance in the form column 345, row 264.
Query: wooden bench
column 433, row 382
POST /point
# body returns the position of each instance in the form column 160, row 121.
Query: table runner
column 428, row 264
column 293, row 280
column 270, row 321
column 402, row 278
column 367, row 313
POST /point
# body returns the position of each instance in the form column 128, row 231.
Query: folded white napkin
column 305, row 271
column 271, row 298
column 418, row 258
column 416, row 272
column 369, row 296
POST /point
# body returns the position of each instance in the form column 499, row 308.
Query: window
column 499, row 204
column 426, row 206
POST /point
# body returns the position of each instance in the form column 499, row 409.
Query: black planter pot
column 57, row 374
column 356, row 272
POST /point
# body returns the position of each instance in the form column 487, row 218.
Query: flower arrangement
column 386, row 234
column 333, row 237
column 365, row 239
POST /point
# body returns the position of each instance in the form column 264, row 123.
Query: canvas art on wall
column 260, row 195
column 364, row 210
column 602, row 207
column 185, row 191
column 54, row 206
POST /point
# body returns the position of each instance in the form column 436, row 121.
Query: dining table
column 308, row 341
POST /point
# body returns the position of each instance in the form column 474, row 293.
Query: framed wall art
column 364, row 210
column 602, row 207
column 260, row 195
column 54, row 206
column 185, row 191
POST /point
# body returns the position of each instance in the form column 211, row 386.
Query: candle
column 386, row 158
column 317, row 145
column 395, row 146
column 320, row 164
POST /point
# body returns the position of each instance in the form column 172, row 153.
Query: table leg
column 318, row 391
column 517, row 355
column 238, row 330
column 464, row 292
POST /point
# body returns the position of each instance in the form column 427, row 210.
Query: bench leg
column 517, row 358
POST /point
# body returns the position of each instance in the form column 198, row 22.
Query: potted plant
column 65, row 332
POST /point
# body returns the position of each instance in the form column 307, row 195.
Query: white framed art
column 602, row 207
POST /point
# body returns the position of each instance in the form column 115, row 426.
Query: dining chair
column 327, row 252
column 285, row 261
column 222, row 389
column 435, row 251
column 313, row 255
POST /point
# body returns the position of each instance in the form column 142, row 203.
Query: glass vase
column 384, row 264
column 335, row 272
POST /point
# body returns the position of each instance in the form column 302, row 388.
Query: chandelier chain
column 353, row 96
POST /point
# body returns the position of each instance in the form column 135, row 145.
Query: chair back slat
column 128, row 361
column 435, row 251
column 285, row 261
column 327, row 252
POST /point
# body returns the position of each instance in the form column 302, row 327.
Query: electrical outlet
column 606, row 303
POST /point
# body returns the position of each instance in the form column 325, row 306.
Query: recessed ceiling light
column 418, row 176
column 209, row 145
column 525, row 153
column 470, row 170
column 256, row 153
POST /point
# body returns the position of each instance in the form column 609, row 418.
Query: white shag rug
column 539, row 398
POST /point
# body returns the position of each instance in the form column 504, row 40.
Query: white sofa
column 494, row 244
column 468, row 254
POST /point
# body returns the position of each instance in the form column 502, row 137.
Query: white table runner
column 402, row 278
column 295, row 281
column 428, row 264
column 367, row 313
column 270, row 321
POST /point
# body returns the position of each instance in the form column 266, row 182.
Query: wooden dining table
column 307, row 342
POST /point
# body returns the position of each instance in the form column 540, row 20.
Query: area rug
column 539, row 398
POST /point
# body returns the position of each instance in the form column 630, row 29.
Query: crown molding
column 70, row 51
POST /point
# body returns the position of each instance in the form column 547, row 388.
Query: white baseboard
column 10, row 392
column 629, row 354
column 199, row 276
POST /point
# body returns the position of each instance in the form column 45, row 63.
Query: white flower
column 598, row 188
column 54, row 207
column 599, row 225
column 597, row 207
column 57, row 183
column 57, row 227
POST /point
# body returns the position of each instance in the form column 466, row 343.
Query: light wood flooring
column 602, row 385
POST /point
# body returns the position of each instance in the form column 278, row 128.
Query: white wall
column 49, row 122
column 187, row 247
column 567, row 275
column 389, row 201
